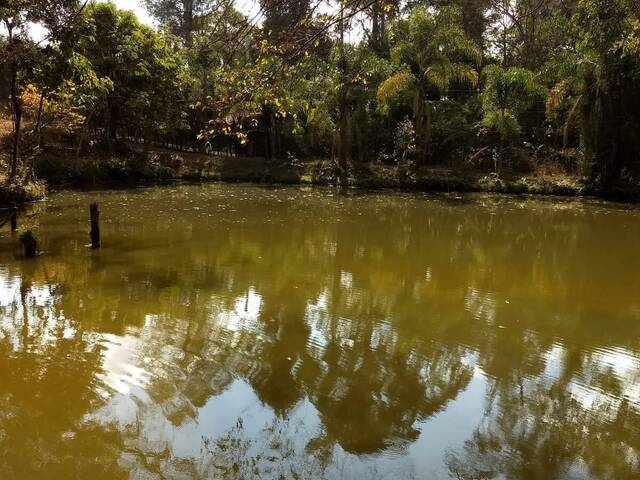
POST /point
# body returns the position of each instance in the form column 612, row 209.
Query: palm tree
column 432, row 51
column 506, row 94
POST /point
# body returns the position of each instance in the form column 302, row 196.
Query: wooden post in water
column 95, row 225
column 14, row 217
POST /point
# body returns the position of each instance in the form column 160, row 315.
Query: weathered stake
column 95, row 225
column 14, row 218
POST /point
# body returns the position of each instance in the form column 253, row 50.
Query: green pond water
column 233, row 331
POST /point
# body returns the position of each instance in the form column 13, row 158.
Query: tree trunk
column 187, row 22
column 272, row 135
column 38, row 132
column 422, row 119
column 343, row 143
column 359, row 143
column 566, row 130
column 610, row 139
column 418, row 115
column 16, row 106
column 83, row 135
column 376, row 27
column 498, row 160
column 111, row 123
column 428, row 130
column 601, row 131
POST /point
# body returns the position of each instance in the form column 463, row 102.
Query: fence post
column 14, row 217
column 95, row 225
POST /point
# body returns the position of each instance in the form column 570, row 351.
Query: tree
column 144, row 71
column 284, row 15
column 506, row 94
column 606, row 30
column 476, row 15
column 20, row 53
column 83, row 92
column 215, row 47
column 185, row 17
column 344, row 120
column 378, row 14
column 526, row 33
column 56, row 65
column 431, row 51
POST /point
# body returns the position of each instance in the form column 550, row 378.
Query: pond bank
column 159, row 165
column 14, row 192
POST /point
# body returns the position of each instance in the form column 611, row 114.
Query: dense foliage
column 495, row 85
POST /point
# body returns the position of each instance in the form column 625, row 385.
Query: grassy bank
column 158, row 165
column 19, row 192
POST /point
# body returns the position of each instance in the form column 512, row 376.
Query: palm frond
column 392, row 86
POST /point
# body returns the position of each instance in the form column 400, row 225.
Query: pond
column 233, row 331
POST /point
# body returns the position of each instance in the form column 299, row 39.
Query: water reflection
column 237, row 332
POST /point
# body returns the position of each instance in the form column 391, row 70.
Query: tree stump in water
column 95, row 225
column 29, row 243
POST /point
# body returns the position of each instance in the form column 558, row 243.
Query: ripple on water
column 335, row 336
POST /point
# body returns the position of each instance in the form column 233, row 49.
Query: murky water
column 243, row 332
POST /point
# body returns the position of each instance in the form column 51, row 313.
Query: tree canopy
column 504, row 79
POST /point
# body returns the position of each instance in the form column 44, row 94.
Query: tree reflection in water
column 297, row 334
